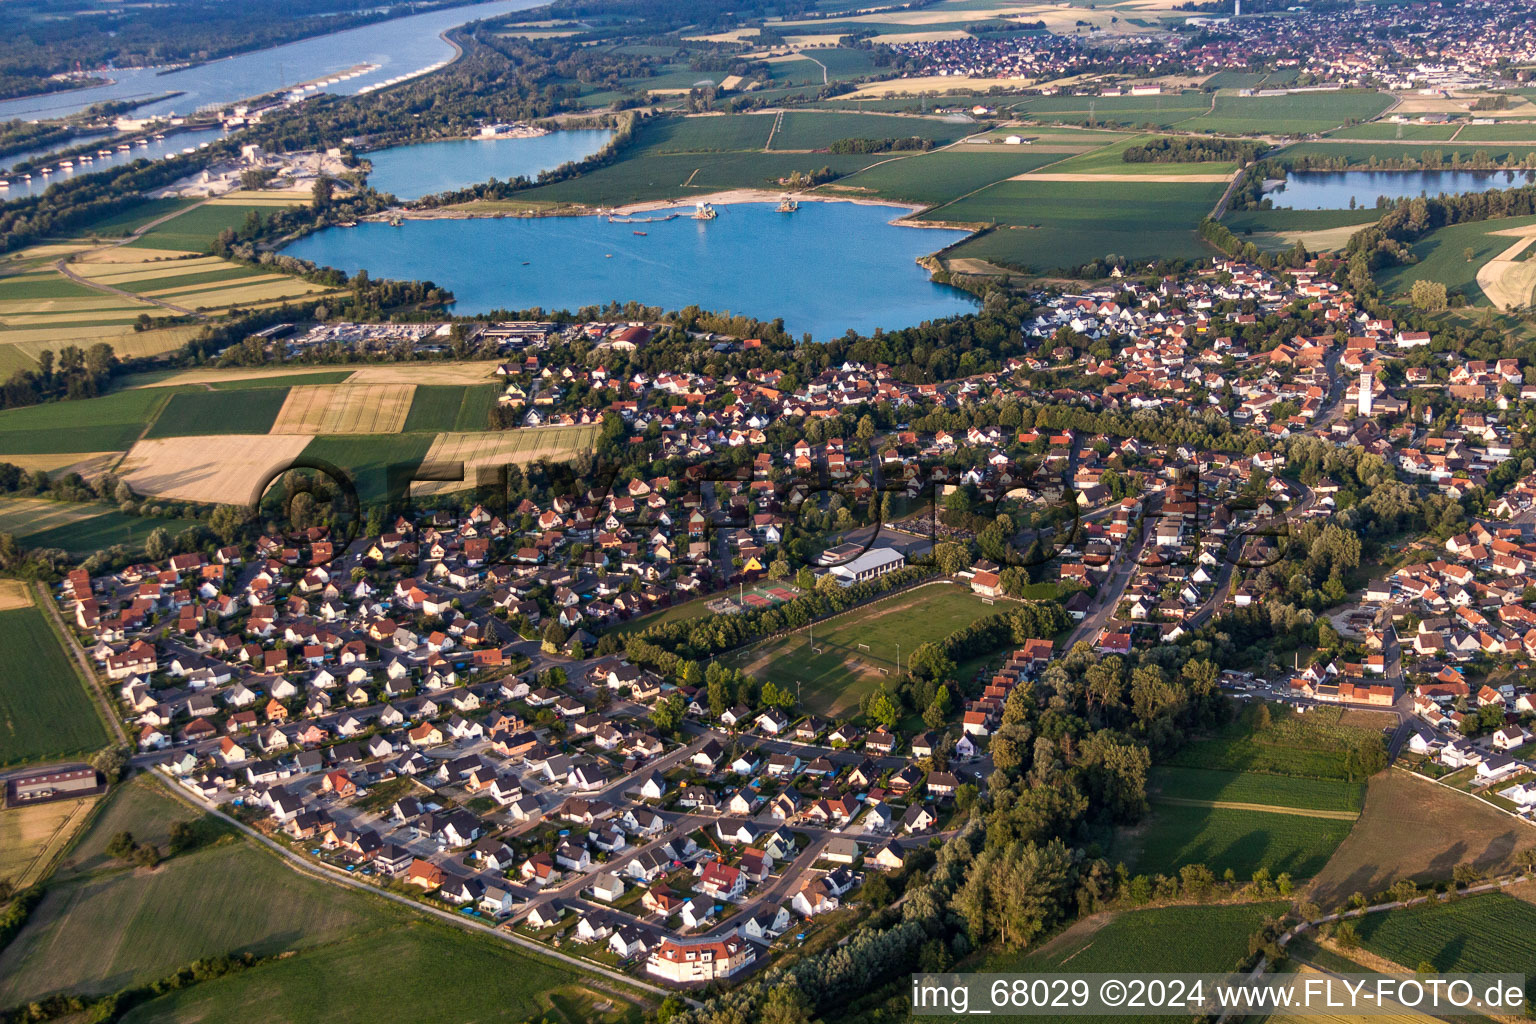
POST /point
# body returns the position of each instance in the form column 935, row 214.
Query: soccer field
column 832, row 666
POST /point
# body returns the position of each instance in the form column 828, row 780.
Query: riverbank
column 493, row 209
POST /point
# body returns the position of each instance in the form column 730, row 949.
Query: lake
column 824, row 269
column 1332, row 190
column 423, row 168
column 399, row 47
column 154, row 150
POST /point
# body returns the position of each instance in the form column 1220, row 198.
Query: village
column 448, row 708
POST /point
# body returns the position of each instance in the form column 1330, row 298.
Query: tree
column 785, row 1004
column 938, row 709
column 884, row 710
column 111, row 762
column 1428, row 296
column 157, row 546
column 121, row 846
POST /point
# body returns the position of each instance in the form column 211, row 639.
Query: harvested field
column 345, row 409
column 499, row 448
column 30, row 837
column 14, row 594
column 1402, row 834
column 224, row 468
column 87, row 464
column 25, row 516
column 1509, row 280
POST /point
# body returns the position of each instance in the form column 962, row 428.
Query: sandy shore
column 735, row 196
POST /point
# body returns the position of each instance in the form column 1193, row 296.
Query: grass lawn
column 1047, row 224
column 246, row 411
column 45, row 711
column 1492, row 932
column 1222, row 838
column 858, row 648
column 1244, row 787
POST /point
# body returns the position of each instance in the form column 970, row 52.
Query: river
column 410, row 172
column 398, row 47
column 1333, row 190
column 825, row 269
column 171, row 144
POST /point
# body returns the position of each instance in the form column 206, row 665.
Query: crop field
column 440, row 407
column 1243, row 840
column 139, row 806
column 1169, row 939
column 687, row 176
column 1401, row 834
column 126, row 222
column 1292, row 114
column 1048, row 224
column 30, row 837
column 368, row 457
column 195, row 230
column 1386, row 130
column 249, row 411
column 487, row 449
column 345, row 409
column 1109, row 160
column 1489, row 932
column 109, row 423
column 223, row 468
column 1310, row 746
column 810, row 129
column 412, row 970
column 1442, row 257
column 45, row 711
column 709, row 133
column 935, row 178
column 1160, row 111
column 1273, row 230
column 841, row 660
column 1244, row 787
column 1497, row 133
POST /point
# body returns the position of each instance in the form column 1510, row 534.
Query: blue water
column 411, row 172
column 825, row 269
column 1332, row 190
column 171, row 144
column 401, row 46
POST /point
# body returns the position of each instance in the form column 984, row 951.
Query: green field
column 1387, row 130
column 714, row 133
column 855, row 648
column 1498, row 133
column 1110, row 160
column 45, row 711
column 291, row 380
column 195, row 230
column 1489, row 933
column 126, row 222
column 247, row 411
column 109, row 423
column 687, row 176
column 1256, row 221
column 438, row 407
column 1292, row 114
column 410, row 971
column 1135, row 111
column 101, row 532
column 1049, row 224
column 1244, row 787
column 1312, row 746
column 1222, row 838
column 1164, row 939
column 1442, row 257
column 1172, row 939
column 367, row 457
column 808, row 129
column 124, row 926
column 935, row 178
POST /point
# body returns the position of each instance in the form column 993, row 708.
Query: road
column 1107, row 597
